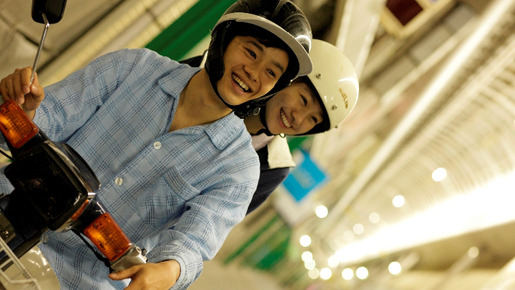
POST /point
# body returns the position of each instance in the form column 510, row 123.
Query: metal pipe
column 45, row 30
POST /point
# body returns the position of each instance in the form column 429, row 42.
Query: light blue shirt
column 175, row 194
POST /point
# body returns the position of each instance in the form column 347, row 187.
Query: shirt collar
column 225, row 130
column 182, row 76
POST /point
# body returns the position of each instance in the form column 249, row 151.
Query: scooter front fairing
column 54, row 189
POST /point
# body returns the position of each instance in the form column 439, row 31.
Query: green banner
column 191, row 28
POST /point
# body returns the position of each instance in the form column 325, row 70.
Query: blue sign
column 304, row 177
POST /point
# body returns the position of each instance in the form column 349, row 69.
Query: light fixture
column 358, row 229
column 347, row 274
column 305, row 241
column 325, row 273
column 374, row 217
column 314, row 273
column 398, row 201
column 439, row 174
column 306, row 256
column 321, row 211
column 395, row 268
column 362, row 273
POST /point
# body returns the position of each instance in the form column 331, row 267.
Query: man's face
column 251, row 70
column 294, row 110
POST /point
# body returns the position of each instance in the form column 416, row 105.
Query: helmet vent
column 334, row 107
column 318, row 75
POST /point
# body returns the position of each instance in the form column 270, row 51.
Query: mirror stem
column 47, row 24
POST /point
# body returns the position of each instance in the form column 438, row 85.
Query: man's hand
column 161, row 275
column 17, row 86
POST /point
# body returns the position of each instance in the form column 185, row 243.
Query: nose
column 252, row 71
column 299, row 116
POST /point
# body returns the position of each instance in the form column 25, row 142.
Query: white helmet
column 334, row 79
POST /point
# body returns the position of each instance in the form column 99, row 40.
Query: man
column 177, row 168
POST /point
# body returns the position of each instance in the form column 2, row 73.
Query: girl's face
column 251, row 70
column 293, row 110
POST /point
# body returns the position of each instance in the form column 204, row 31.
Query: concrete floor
column 215, row 276
column 218, row 276
column 33, row 272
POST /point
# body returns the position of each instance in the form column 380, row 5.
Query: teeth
column 240, row 83
column 285, row 121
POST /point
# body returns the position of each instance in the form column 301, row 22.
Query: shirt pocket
column 181, row 189
column 162, row 202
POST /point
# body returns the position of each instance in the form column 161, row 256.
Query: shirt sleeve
column 209, row 216
column 69, row 103
column 201, row 230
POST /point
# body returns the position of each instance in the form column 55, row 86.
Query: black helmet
column 281, row 19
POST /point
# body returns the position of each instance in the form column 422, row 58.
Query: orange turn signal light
column 15, row 125
column 108, row 237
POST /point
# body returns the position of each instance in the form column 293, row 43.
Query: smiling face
column 293, row 110
column 251, row 70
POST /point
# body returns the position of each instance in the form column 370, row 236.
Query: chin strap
column 262, row 116
column 213, row 84
column 213, row 58
column 222, row 99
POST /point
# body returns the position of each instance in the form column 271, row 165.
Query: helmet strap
column 220, row 97
column 262, row 117
column 215, row 58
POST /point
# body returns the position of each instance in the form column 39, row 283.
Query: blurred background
column 417, row 187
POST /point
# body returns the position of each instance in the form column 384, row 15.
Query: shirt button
column 157, row 145
column 118, row 181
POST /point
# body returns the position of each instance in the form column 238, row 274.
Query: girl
column 312, row 104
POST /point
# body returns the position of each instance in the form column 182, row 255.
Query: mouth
column 286, row 123
column 240, row 83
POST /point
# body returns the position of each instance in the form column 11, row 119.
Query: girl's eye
column 271, row 72
column 304, row 101
column 315, row 120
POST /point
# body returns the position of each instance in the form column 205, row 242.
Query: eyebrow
column 310, row 92
column 259, row 46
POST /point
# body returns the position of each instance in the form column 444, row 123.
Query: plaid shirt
column 175, row 194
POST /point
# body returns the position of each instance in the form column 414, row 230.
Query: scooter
column 54, row 188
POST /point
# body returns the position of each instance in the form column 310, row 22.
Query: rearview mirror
column 52, row 9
